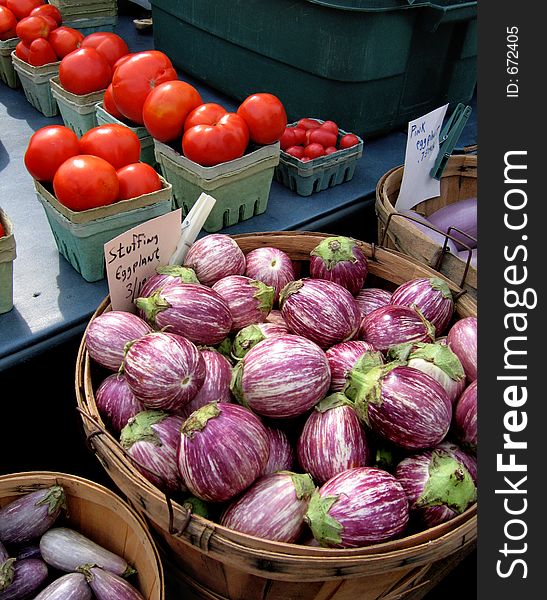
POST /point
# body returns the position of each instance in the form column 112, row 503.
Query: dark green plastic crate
column 372, row 65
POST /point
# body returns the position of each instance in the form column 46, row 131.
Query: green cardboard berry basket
column 36, row 84
column 7, row 73
column 77, row 110
column 147, row 143
column 241, row 187
column 306, row 178
column 7, row 256
column 81, row 235
column 88, row 16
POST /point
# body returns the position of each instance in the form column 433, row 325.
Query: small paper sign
column 132, row 257
column 422, row 149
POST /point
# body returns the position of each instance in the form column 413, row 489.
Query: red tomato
column 23, row 8
column 2, row 231
column 314, row 150
column 266, row 117
column 84, row 71
column 109, row 105
column 331, row 149
column 205, row 114
column 8, row 21
column 330, row 126
column 47, row 150
column 297, row 151
column 308, row 123
column 32, row 28
column 109, row 44
column 48, row 10
column 322, row 136
column 8, row 35
column 86, row 181
column 210, row 145
column 117, row 144
column 41, row 53
column 299, row 135
column 137, row 179
column 22, row 51
column 121, row 60
column 305, row 159
column 166, row 108
column 348, row 140
column 288, row 138
column 65, row 40
column 134, row 79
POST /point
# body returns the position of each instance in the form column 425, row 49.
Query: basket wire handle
column 100, row 430
column 447, row 236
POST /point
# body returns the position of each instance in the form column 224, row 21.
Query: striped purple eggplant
column 3, row 553
column 282, row 454
column 431, row 295
column 72, row 586
column 22, row 579
column 29, row 516
column 332, row 439
column 465, row 418
column 401, row 404
column 192, row 310
column 249, row 336
column 466, row 458
column 340, row 259
column 437, row 360
column 342, row 358
column 393, row 324
column 438, row 486
column 463, row 255
column 164, row 370
column 223, row 449
column 216, row 385
column 167, row 274
column 116, row 402
column 272, row 266
column 30, row 550
column 358, row 507
column 369, row 299
column 273, row 508
column 283, row 376
column 152, row 439
column 322, row 311
column 249, row 300
column 108, row 334
column 109, row 586
column 462, row 339
column 66, row 549
column 215, row 256
column 276, row 317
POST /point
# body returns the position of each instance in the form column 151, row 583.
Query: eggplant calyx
column 139, row 428
column 429, row 327
column 441, row 356
column 438, row 284
column 245, row 339
column 196, row 506
column 85, row 570
column 303, row 484
column 326, row 529
column 55, row 498
column 225, row 348
column 449, row 484
column 264, row 296
column 288, row 290
column 185, row 274
column 334, row 250
column 199, row 418
column 152, row 305
column 6, row 573
column 333, row 401
column 129, row 570
column 236, row 384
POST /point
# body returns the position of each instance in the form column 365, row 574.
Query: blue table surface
column 52, row 302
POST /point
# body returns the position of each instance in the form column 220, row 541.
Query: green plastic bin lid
column 380, row 5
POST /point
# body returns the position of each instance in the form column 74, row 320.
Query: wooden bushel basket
column 222, row 564
column 458, row 182
column 103, row 517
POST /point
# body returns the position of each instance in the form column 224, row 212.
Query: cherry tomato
column 48, row 10
column 265, row 116
column 22, row 51
column 86, row 181
column 84, row 71
column 115, row 143
column 299, row 135
column 22, row 8
column 322, row 136
column 137, row 179
column 210, row 145
column 110, row 106
column 297, row 151
column 348, row 140
column 331, row 149
column 65, row 40
column 330, row 126
column 205, row 114
column 314, row 150
column 8, row 22
column 41, row 53
column 32, row 28
column 166, row 108
column 135, row 78
column 308, row 123
column 109, row 44
column 288, row 138
column 47, row 150
column 305, row 159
